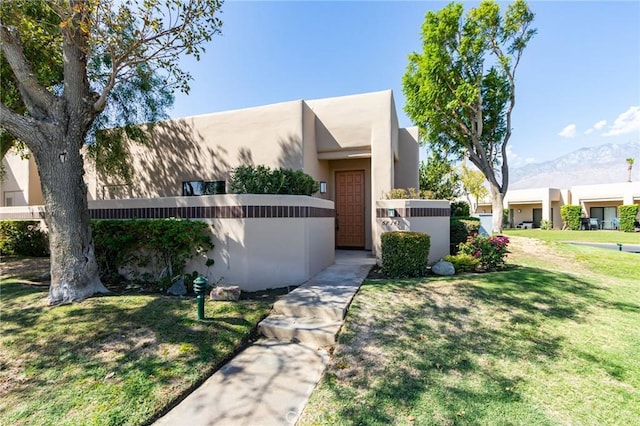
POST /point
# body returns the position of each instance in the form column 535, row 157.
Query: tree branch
column 36, row 98
column 19, row 126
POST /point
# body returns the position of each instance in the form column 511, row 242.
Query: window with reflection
column 199, row 187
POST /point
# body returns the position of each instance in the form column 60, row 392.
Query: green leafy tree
column 72, row 66
column 473, row 186
column 461, row 89
column 438, row 176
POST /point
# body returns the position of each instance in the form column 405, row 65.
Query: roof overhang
column 345, row 154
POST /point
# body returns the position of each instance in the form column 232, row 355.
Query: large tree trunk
column 497, row 207
column 74, row 271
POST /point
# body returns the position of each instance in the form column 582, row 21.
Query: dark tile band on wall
column 415, row 212
column 213, row 212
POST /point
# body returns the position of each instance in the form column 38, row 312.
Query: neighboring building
column 352, row 143
column 20, row 185
column 531, row 206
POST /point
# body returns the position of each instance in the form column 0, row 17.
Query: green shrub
column 546, row 225
column 23, row 238
column 405, row 254
column 405, row 194
column 160, row 247
column 628, row 214
column 490, row 251
column 463, row 262
column 263, row 180
column 460, row 209
column 570, row 215
column 461, row 228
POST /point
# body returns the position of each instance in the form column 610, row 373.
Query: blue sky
column 578, row 83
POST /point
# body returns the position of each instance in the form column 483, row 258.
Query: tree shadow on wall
column 176, row 152
column 291, row 154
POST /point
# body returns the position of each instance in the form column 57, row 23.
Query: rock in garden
column 443, row 268
column 178, row 288
column 225, row 293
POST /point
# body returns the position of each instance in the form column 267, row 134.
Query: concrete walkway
column 631, row 248
column 270, row 382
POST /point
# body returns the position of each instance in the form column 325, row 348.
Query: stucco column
column 382, row 171
column 546, row 207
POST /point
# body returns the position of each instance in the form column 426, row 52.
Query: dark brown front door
column 350, row 209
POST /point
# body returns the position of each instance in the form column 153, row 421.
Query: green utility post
column 200, row 288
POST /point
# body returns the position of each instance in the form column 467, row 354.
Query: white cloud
column 516, row 160
column 568, row 132
column 627, row 122
column 600, row 124
column 588, row 131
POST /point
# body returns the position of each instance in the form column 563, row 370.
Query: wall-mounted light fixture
column 519, row 211
column 391, row 212
column 323, row 187
column 63, row 156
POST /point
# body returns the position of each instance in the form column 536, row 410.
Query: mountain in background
column 586, row 166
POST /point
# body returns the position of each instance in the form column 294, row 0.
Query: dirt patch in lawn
column 30, row 269
column 528, row 248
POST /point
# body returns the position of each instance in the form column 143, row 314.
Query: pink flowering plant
column 490, row 251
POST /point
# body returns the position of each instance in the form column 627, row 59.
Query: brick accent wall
column 415, row 212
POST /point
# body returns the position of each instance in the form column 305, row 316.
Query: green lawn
column 553, row 340
column 109, row 360
column 582, row 236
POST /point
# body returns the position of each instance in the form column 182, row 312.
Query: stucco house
column 601, row 202
column 353, row 145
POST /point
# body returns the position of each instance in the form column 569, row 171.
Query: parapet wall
column 428, row 216
column 261, row 241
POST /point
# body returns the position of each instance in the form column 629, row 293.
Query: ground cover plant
column 551, row 340
column 110, row 360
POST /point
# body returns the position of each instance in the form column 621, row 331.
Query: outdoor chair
column 593, row 223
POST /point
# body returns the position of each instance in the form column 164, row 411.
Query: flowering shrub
column 491, row 251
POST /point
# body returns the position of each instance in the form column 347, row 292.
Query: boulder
column 225, row 293
column 178, row 288
column 443, row 268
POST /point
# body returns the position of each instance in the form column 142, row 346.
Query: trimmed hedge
column 628, row 214
column 264, row 180
column 461, row 228
column 405, row 254
column 23, row 238
column 570, row 215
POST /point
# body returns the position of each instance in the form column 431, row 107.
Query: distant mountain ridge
column 586, row 166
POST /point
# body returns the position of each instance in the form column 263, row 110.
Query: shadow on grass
column 132, row 343
column 444, row 340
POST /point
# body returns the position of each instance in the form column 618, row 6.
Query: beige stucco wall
column 436, row 227
column 346, row 122
column 35, row 189
column 207, row 147
column 624, row 192
column 406, row 169
column 319, row 169
column 256, row 253
column 15, row 183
